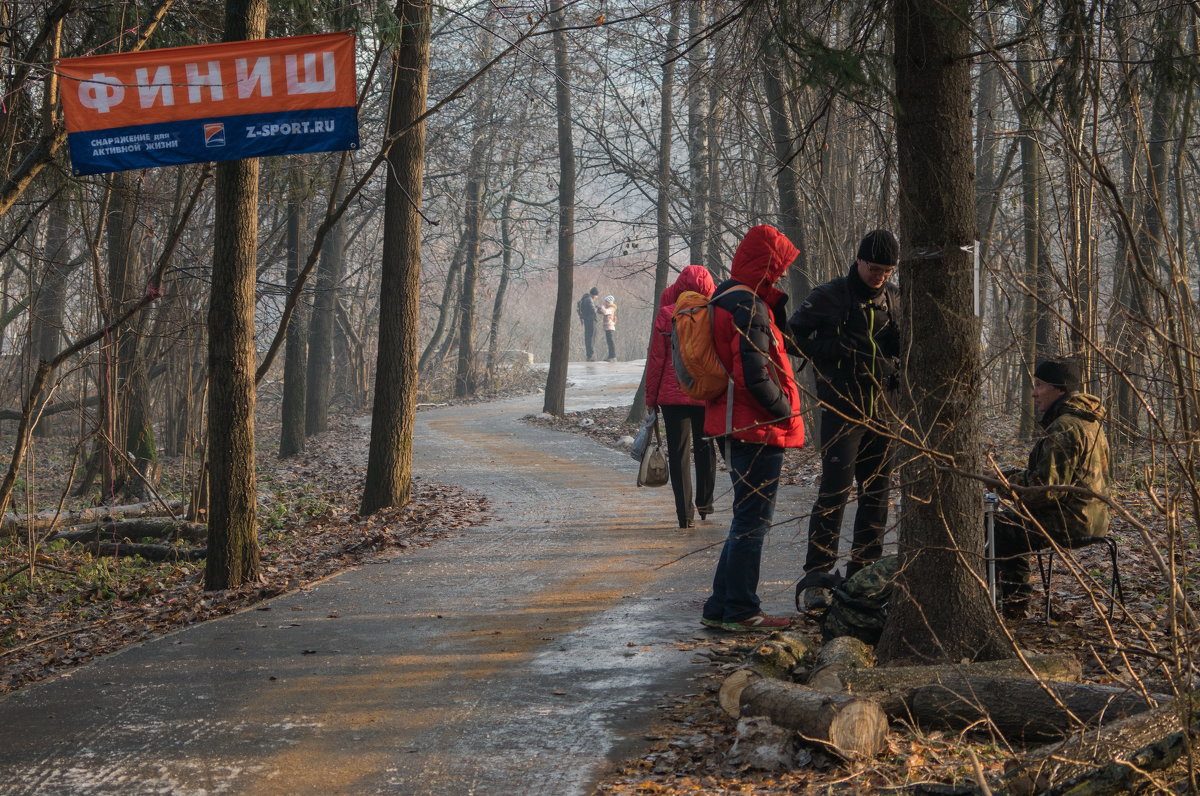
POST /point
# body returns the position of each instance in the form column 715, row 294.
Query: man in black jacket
column 848, row 328
column 585, row 308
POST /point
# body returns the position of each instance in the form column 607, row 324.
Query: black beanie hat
column 879, row 247
column 1060, row 373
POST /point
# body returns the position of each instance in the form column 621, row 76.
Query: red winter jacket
column 766, row 402
column 662, row 388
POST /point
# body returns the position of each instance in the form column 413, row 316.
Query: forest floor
column 694, row 749
column 61, row 606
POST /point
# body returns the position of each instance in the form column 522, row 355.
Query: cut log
column 1020, row 709
column 776, row 657
column 889, row 685
column 151, row 527
column 150, row 552
column 852, row 727
column 779, row 655
column 837, row 656
column 12, row 523
column 1107, row 755
column 730, row 695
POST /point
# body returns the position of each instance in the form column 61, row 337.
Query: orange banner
column 208, row 80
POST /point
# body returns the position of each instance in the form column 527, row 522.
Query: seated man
column 1073, row 451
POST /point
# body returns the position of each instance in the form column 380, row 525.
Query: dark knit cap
column 879, row 247
column 1060, row 373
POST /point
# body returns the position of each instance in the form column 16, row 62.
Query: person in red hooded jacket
column 759, row 417
column 682, row 414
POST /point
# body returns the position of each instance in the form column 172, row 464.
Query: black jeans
column 849, row 451
column 610, row 336
column 685, row 441
column 589, row 338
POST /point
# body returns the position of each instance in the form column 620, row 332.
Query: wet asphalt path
column 517, row 657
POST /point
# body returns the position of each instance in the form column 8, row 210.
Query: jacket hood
column 694, row 277
column 762, row 257
column 1080, row 404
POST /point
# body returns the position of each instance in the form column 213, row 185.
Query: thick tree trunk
column 49, row 296
column 233, row 557
column 852, row 727
column 560, row 344
column 389, row 462
column 940, row 610
column 295, row 359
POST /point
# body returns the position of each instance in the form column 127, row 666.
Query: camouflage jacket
column 1073, row 451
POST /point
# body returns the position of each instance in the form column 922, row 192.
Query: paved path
column 517, row 657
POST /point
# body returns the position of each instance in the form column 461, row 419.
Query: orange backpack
column 699, row 370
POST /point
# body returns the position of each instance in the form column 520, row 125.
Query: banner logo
column 214, row 134
column 210, row 102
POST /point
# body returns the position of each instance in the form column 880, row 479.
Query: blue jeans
column 754, row 469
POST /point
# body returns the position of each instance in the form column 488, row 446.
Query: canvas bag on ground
column 643, row 436
column 698, row 369
column 653, row 471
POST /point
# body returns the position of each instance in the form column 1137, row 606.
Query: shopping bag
column 653, row 471
column 643, row 436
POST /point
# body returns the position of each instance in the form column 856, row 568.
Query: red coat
column 662, row 388
column 766, row 401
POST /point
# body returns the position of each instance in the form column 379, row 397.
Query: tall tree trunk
column 50, row 293
column 662, row 201
column 784, row 169
column 446, row 309
column 320, row 328
column 506, row 252
column 233, row 557
column 125, row 402
column 295, row 359
column 1033, row 178
column 940, row 612
column 697, row 130
column 560, row 345
column 389, row 463
column 466, row 378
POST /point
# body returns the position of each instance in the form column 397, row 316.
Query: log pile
column 833, row 697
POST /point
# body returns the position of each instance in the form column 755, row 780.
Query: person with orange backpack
column 759, row 417
column 682, row 414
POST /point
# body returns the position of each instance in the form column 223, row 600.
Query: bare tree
column 560, row 346
column 389, row 463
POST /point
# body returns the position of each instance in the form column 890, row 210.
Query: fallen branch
column 838, row 657
column 167, row 530
column 12, row 523
column 1150, row 740
column 150, row 552
column 890, row 685
column 1019, row 709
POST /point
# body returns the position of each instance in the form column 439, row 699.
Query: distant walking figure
column 586, row 310
column 607, row 313
column 682, row 414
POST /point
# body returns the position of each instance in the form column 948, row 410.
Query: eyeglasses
column 879, row 270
